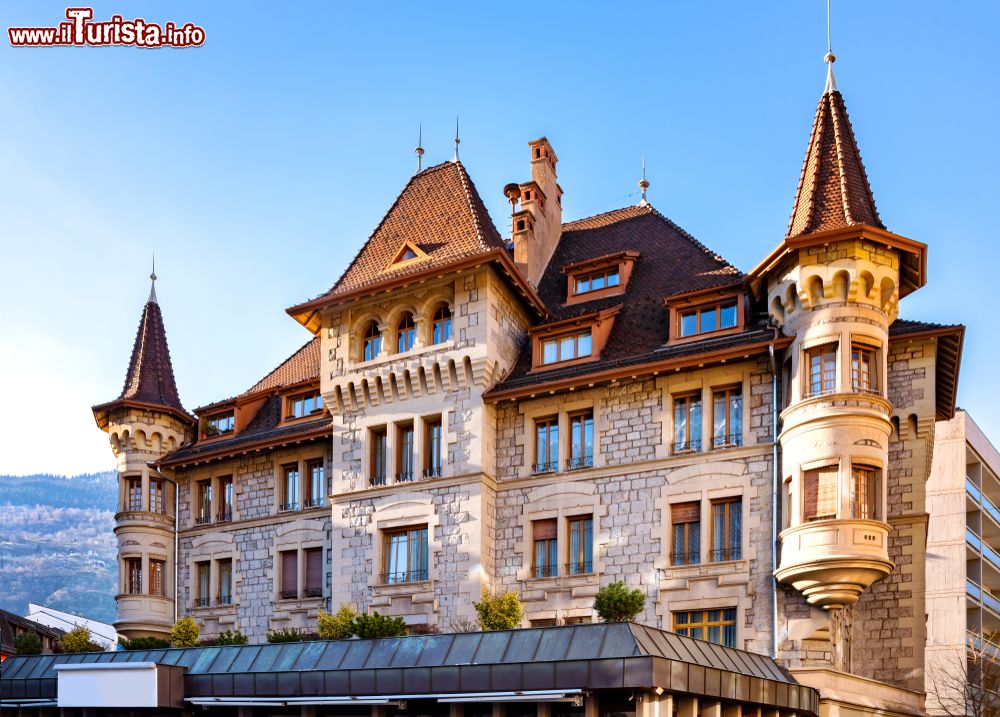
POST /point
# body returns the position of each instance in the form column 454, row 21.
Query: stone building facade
column 589, row 401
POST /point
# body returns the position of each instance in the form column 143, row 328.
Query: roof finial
column 152, row 286
column 419, row 151
column 643, row 184
column 830, row 58
column 457, row 140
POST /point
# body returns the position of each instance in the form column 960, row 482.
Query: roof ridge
column 567, row 226
column 277, row 368
column 713, row 254
column 471, row 194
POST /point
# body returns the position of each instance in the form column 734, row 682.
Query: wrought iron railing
column 404, row 477
column 225, row 516
column 289, row 506
column 289, row 594
column 202, row 602
column 581, row 462
column 583, row 567
column 687, row 446
column 404, row 576
column 379, row 480
column 314, row 503
column 721, row 555
column 313, row 592
column 432, row 472
column 203, row 520
column 731, row 440
column 545, row 571
column 685, row 558
column 549, row 467
column 223, row 599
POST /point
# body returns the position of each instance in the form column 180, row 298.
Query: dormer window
column 707, row 311
column 406, row 333
column 373, row 342
column 302, row 405
column 407, row 253
column 566, row 348
column 599, row 277
column 219, row 424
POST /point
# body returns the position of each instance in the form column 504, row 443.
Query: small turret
column 145, row 422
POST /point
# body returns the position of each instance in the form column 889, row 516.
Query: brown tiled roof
column 150, row 376
column 833, row 190
column 302, row 365
column 670, row 262
column 439, row 211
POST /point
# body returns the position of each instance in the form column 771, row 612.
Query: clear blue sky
column 256, row 165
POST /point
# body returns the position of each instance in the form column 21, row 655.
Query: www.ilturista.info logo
column 81, row 30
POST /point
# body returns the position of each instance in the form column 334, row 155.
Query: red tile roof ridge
column 275, row 379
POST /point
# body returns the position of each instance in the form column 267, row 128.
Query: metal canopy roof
column 590, row 656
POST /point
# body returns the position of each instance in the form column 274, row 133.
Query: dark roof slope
column 670, row 262
column 441, row 213
column 833, row 190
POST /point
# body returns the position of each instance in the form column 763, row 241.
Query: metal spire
column 419, row 151
column 152, row 286
column 830, row 58
column 457, row 140
column 643, row 184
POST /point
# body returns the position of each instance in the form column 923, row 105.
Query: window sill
column 415, row 586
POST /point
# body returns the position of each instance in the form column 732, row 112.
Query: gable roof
column 149, row 380
column 303, row 365
column 833, row 190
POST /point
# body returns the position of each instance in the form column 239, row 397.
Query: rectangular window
column 865, row 491
column 314, row 572
column 540, row 622
column 822, row 369
column 226, row 498
column 433, row 446
column 705, row 319
column 157, row 578
column 133, row 494
column 687, row 423
column 727, row 529
column 406, row 555
column 289, row 574
column 204, row 515
column 306, row 404
column 863, row 369
column 718, row 626
column 290, row 487
column 546, row 445
column 581, row 443
column 225, row 596
column 156, row 502
column 819, row 500
column 595, row 281
column 566, row 348
column 379, row 442
column 581, row 545
column 685, row 523
column 317, row 484
column 581, row 620
column 204, row 574
column 544, row 540
column 404, row 452
column 218, row 424
column 133, row 576
column 727, row 417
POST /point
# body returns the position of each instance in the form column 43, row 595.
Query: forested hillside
column 57, row 543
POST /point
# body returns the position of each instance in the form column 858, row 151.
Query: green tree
column 617, row 603
column 337, row 626
column 185, row 633
column 78, row 640
column 286, row 634
column 230, row 638
column 369, row 627
column 499, row 612
column 28, row 643
column 145, row 643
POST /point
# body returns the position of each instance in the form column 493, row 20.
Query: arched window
column 442, row 324
column 406, row 333
column 373, row 342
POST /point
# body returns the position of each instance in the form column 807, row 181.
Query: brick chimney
column 538, row 224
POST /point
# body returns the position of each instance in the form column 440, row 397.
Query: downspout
column 775, row 498
column 177, row 507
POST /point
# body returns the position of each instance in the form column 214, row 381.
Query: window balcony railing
column 314, row 503
column 404, row 477
column 732, row 440
column 972, row 540
column 812, row 393
column 869, row 390
column 202, row 602
column 134, row 506
column 679, row 558
column 379, row 480
column 687, row 446
column 549, row 467
column 313, row 592
column 223, row 599
column 721, row 555
column 285, row 507
column 202, row 520
column 545, row 571
column 584, row 567
column 404, row 576
column 289, row 594
column 432, row 472
column 226, row 516
column 581, row 462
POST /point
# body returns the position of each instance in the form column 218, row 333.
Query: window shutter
column 685, row 512
column 289, row 572
column 544, row 529
column 314, row 569
column 820, row 495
